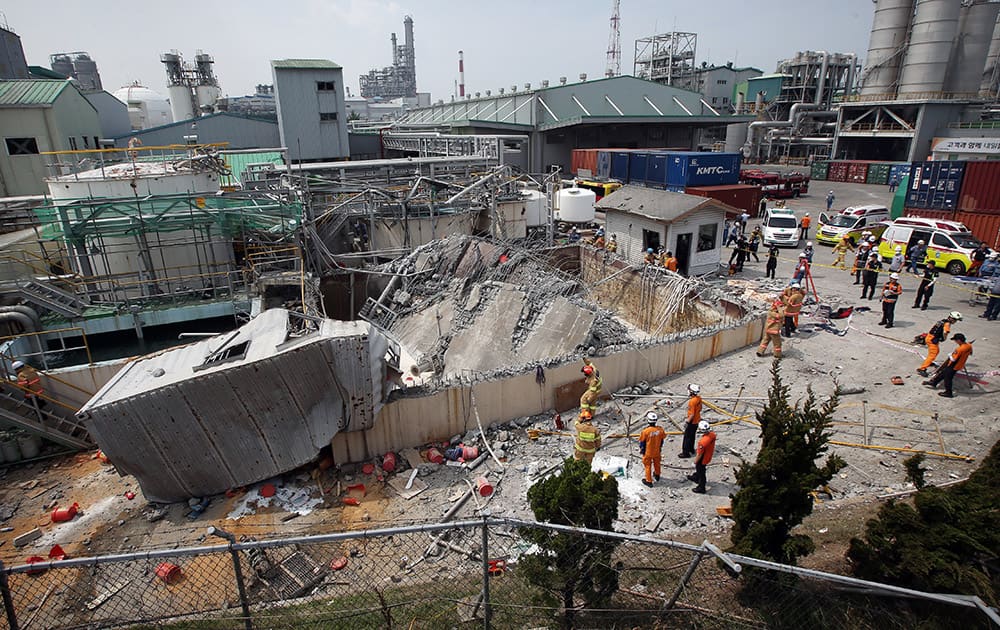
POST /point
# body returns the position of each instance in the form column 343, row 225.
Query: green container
column 878, row 173
column 899, row 198
column 819, row 170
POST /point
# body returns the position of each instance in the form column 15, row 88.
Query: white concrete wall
column 629, row 229
column 413, row 422
column 700, row 262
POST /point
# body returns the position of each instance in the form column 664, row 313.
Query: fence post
column 215, row 531
column 684, row 580
column 8, row 602
column 487, row 607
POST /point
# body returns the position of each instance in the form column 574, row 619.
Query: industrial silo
column 85, row 69
column 885, row 48
column 975, row 31
column 925, row 66
column 62, row 64
column 990, row 82
column 181, row 96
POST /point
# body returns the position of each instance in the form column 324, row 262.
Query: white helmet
column 694, row 389
column 894, row 276
column 807, row 214
column 704, row 425
column 795, row 285
column 651, row 417
column 921, row 242
column 17, row 365
column 809, row 243
column 899, row 249
column 871, row 239
column 994, row 255
column 803, row 255
column 955, row 315
column 864, row 244
column 868, row 233
column 831, row 192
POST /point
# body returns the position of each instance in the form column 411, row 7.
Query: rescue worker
column 860, row 258
column 841, row 249
column 991, row 267
column 594, row 382
column 670, row 262
column 574, row 236
column 612, row 245
column 926, row 288
column 740, row 253
column 793, row 297
column 829, row 200
column 916, row 256
column 801, row 269
column 650, row 444
column 706, row 448
column 693, row 418
column 956, row 361
column 933, row 337
column 30, row 383
column 772, row 330
column 890, row 293
column 809, row 251
column 804, row 227
column 599, row 239
column 978, row 257
column 772, row 261
column 756, row 237
column 992, row 311
column 897, row 259
column 588, row 437
column 650, row 257
column 873, row 264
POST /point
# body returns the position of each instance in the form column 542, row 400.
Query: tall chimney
column 461, row 74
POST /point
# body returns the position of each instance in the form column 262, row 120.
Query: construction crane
column 614, row 63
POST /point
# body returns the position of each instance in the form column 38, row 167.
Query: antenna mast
column 614, row 63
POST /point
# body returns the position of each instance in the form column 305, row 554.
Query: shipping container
column 819, row 170
column 584, row 159
column 980, row 188
column 703, row 169
column 899, row 171
column 935, row 185
column 837, row 172
column 619, row 165
column 637, row 167
column 741, row 196
column 656, row 170
column 878, row 173
column 984, row 226
column 857, row 171
column 603, row 165
column 899, row 198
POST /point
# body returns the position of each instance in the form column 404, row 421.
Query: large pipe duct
column 988, row 85
column 925, row 66
column 27, row 311
column 890, row 26
column 968, row 57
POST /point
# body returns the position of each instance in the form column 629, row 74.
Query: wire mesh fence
column 494, row 573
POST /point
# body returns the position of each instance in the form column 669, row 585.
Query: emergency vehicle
column 776, row 185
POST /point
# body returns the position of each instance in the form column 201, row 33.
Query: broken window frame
column 225, row 354
column 713, row 228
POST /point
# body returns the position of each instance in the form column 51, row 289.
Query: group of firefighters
column 662, row 258
column 588, row 436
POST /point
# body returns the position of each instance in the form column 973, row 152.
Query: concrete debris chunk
column 27, row 537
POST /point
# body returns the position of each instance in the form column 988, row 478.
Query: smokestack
column 461, row 74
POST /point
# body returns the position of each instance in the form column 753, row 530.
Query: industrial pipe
column 25, row 310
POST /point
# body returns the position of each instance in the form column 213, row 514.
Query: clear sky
column 506, row 42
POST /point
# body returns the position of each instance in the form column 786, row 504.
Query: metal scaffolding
column 667, row 58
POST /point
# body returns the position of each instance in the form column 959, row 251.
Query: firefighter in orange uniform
column 650, row 444
column 29, row 382
column 670, row 262
column 693, row 418
column 956, row 361
column 706, row 448
column 588, row 438
column 772, row 329
column 938, row 333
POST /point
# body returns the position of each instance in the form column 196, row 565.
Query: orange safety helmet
column 588, row 370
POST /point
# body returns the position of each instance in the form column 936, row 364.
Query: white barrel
column 534, row 205
column 576, row 205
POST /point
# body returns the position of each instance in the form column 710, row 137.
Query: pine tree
column 570, row 565
column 774, row 495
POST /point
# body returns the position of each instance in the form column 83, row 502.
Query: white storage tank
column 534, row 203
column 146, row 108
column 576, row 205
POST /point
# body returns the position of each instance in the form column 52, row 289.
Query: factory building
column 667, row 58
column 260, row 104
column 79, row 66
column 38, row 115
column 623, row 112
column 240, row 132
column 312, row 118
column 931, row 76
column 12, row 62
column 399, row 79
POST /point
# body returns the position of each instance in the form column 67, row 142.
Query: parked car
column 851, row 222
column 949, row 243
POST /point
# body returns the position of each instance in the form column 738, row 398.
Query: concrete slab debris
column 27, row 537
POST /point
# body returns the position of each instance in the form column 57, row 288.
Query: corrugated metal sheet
column 935, row 185
column 583, row 158
column 619, row 165
column 819, row 170
column 33, row 92
column 656, row 171
column 304, row 63
column 604, row 164
column 878, row 173
column 234, row 424
column 981, row 188
column 740, row 196
column 837, row 172
column 986, row 226
column 899, row 171
column 857, row 172
column 238, row 163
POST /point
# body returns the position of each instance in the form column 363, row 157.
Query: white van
column 949, row 243
column 780, row 227
column 851, row 222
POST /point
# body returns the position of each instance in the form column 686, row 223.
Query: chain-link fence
column 495, row 573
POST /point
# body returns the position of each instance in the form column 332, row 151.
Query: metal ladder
column 49, row 297
column 16, row 410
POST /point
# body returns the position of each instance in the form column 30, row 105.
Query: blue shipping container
column 619, row 165
column 637, row 168
column 603, row 165
column 935, row 185
column 898, row 172
column 656, row 170
column 679, row 189
column 703, row 169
